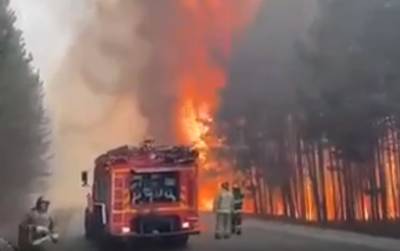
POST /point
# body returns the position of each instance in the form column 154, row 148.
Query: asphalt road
column 258, row 236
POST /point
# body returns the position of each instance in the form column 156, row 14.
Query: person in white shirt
column 223, row 207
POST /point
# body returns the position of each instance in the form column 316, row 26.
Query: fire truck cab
column 143, row 192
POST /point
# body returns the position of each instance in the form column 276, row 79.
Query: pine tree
column 22, row 120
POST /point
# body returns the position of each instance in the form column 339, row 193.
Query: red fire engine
column 147, row 191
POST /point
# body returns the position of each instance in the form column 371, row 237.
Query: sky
column 48, row 27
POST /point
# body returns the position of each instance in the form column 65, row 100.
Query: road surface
column 258, row 236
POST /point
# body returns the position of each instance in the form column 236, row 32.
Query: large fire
column 319, row 190
column 206, row 43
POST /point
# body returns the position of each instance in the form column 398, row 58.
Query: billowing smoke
column 124, row 69
column 90, row 56
column 262, row 78
column 92, row 96
column 261, row 62
column 192, row 42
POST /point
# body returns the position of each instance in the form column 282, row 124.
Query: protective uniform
column 37, row 228
column 39, row 216
column 223, row 207
column 238, row 197
column 5, row 246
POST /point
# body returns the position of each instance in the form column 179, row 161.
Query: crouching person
column 39, row 215
column 37, row 228
column 6, row 246
column 223, row 207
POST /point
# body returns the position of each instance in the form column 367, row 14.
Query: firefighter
column 37, row 227
column 238, row 197
column 6, row 246
column 148, row 144
column 223, row 207
column 39, row 216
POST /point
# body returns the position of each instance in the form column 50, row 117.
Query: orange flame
column 206, row 41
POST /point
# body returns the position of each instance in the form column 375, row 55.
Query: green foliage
column 22, row 121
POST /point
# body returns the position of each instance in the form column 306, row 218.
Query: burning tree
column 329, row 149
column 191, row 68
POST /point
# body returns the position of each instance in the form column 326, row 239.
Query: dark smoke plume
column 259, row 69
column 262, row 82
column 158, row 93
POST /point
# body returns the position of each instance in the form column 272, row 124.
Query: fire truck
column 143, row 192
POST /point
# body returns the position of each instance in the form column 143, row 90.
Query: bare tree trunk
column 363, row 209
column 397, row 164
column 349, row 192
column 382, row 175
column 392, row 166
column 313, row 178
column 392, row 180
column 271, row 201
column 321, row 176
column 254, row 181
column 300, row 172
column 374, row 193
column 288, row 201
column 256, row 208
column 259, row 192
column 334, row 171
column 342, row 189
column 263, row 195
column 397, row 154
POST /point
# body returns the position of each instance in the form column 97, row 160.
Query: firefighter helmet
column 225, row 185
column 42, row 200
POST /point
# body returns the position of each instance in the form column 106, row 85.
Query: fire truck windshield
column 148, row 188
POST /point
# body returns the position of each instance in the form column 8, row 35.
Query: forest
column 23, row 134
column 322, row 128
